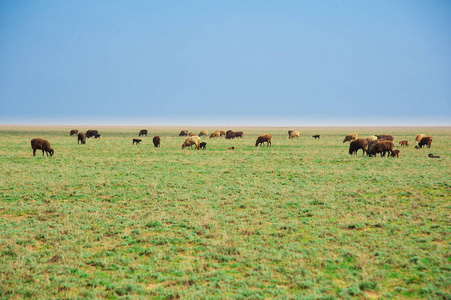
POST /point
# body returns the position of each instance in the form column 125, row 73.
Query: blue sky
column 225, row 62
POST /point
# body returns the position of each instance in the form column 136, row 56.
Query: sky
column 273, row 63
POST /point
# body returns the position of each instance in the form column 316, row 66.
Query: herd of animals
column 372, row 145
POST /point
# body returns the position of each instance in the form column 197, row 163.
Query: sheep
column 215, row 134
column 203, row 132
column 231, row 148
column 183, row 133
column 156, row 141
column 81, row 138
column 316, row 136
column 381, row 147
column 73, row 132
column 385, row 137
column 192, row 134
column 289, row 132
column 294, row 134
column 137, row 141
column 350, row 137
column 222, row 132
column 355, row 145
column 433, row 156
column 426, row 141
column 43, row 145
column 419, row 137
column 143, row 132
column 203, row 146
column 239, row 134
column 404, row 143
column 395, row 153
column 192, row 140
column 97, row 136
column 230, row 135
column 262, row 139
column 370, row 138
column 91, row 133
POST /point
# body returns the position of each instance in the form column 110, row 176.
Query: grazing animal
column 426, row 141
column 381, row 147
column 40, row 144
column 289, row 132
column 156, row 141
column 433, row 156
column 239, row 134
column 395, row 153
column 183, row 133
column 222, row 132
column 192, row 141
column 316, row 136
column 203, row 145
column 192, row 134
column 203, row 132
column 370, row 138
column 143, row 132
column 231, row 148
column 73, row 132
column 97, row 136
column 404, row 143
column 294, row 134
column 419, row 137
column 137, row 141
column 91, row 133
column 265, row 138
column 357, row 144
column 230, row 135
column 416, row 147
column 81, row 138
column 215, row 134
column 385, row 137
column 350, row 137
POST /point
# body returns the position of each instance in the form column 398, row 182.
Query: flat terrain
column 302, row 219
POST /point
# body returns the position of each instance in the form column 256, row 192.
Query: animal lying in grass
column 404, row 143
column 40, row 144
column 203, row 145
column 231, row 148
column 395, row 153
column 357, row 144
column 137, row 141
column 156, row 141
column 433, row 156
column 316, row 136
column 192, row 141
column 265, row 138
column 81, row 138
column 350, row 137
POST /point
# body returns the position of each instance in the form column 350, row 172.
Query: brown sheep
column 192, row 134
column 156, row 141
column 73, row 132
column 381, row 147
column 419, row 137
column 192, row 140
column 426, row 141
column 43, row 145
column 294, row 134
column 91, row 133
column 215, row 134
column 143, row 132
column 203, row 146
column 222, row 132
column 239, row 134
column 203, row 132
column 316, row 136
column 350, row 137
column 231, row 148
column 385, row 137
column 357, row 144
column 230, row 135
column 81, row 138
column 266, row 138
column 395, row 153
column 370, row 138
column 137, row 141
column 183, row 133
column 433, row 156
column 289, row 132
column 404, row 143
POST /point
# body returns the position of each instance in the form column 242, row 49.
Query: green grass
column 302, row 219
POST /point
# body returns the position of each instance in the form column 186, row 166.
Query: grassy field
column 300, row 220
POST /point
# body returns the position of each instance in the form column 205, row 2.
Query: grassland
column 300, row 220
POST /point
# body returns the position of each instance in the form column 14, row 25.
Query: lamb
column 215, row 134
column 192, row 140
column 143, row 132
column 239, row 134
column 355, row 145
column 426, row 141
column 81, row 138
column 385, row 137
column 294, row 134
column 43, row 145
column 266, row 138
column 203, row 146
column 316, row 136
column 395, row 153
column 137, row 141
column 381, row 147
column 156, row 141
column 433, row 156
column 404, row 143
column 203, row 132
column 73, row 132
column 419, row 137
column 183, row 133
column 231, row 148
column 350, row 137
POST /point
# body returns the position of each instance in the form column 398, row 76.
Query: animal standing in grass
column 294, row 134
column 419, row 137
column 90, row 133
column 81, row 138
column 358, row 144
column 183, row 133
column 156, row 141
column 404, row 143
column 239, row 134
column 143, row 132
column 203, row 132
column 40, row 144
column 316, row 136
column 215, row 134
column 385, row 137
column 426, row 141
column 230, row 135
column 73, row 132
column 203, row 146
column 395, row 153
column 350, row 137
column 289, row 132
column 265, row 138
column 370, row 138
column 192, row 141
column 136, row 141
column 222, row 132
column 381, row 147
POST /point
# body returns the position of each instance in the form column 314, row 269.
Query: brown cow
column 404, row 143
column 143, row 132
column 43, row 145
column 395, row 153
column 350, row 137
column 156, row 141
column 355, row 145
column 73, row 132
column 426, row 141
column 81, row 138
column 265, row 138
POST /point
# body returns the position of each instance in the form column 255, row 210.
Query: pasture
column 299, row 220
